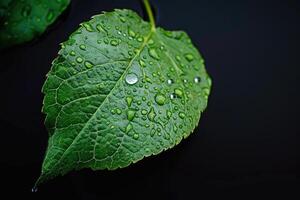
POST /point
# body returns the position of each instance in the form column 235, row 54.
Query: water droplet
column 100, row 28
column 197, row 79
column 189, row 57
column 88, row 64
column 140, row 39
column 128, row 128
column 151, row 115
column 114, row 42
column 72, row 53
column 131, row 33
column 112, row 126
column 26, row 10
column 79, row 59
column 82, row 47
column 170, row 81
column 160, row 99
column 153, row 54
column 50, row 16
column 175, row 107
column 118, row 111
column 129, row 101
column 144, row 112
column 142, row 63
column 209, row 81
column 150, row 42
column 88, row 27
column 34, row 189
column 136, row 136
column 113, row 111
column 178, row 92
column 181, row 115
column 131, row 79
column 177, row 58
column 173, row 96
column 169, row 114
column 130, row 114
column 123, row 19
column 159, row 130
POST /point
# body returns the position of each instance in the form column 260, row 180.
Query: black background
column 246, row 142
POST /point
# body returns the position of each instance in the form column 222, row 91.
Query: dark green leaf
column 21, row 21
column 120, row 91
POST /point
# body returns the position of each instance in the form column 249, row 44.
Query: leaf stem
column 150, row 14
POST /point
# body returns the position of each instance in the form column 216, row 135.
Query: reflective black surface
column 246, row 142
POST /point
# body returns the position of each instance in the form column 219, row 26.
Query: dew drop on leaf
column 131, row 79
column 153, row 54
column 118, row 111
column 136, row 136
column 151, row 115
column 82, row 47
column 197, row 79
column 144, row 112
column 114, row 42
column 130, row 114
column 50, row 16
column 170, row 81
column 178, row 92
column 129, row 101
column 128, row 128
column 160, row 99
column 79, row 60
column 189, row 57
column 181, row 115
column 88, row 64
column 72, row 53
column 88, row 27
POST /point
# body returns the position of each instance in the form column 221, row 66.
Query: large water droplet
column 153, row 54
column 160, row 99
column 131, row 79
column 130, row 114
column 151, row 115
column 189, row 57
column 129, row 101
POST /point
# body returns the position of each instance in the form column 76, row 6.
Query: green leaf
column 21, row 21
column 120, row 90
